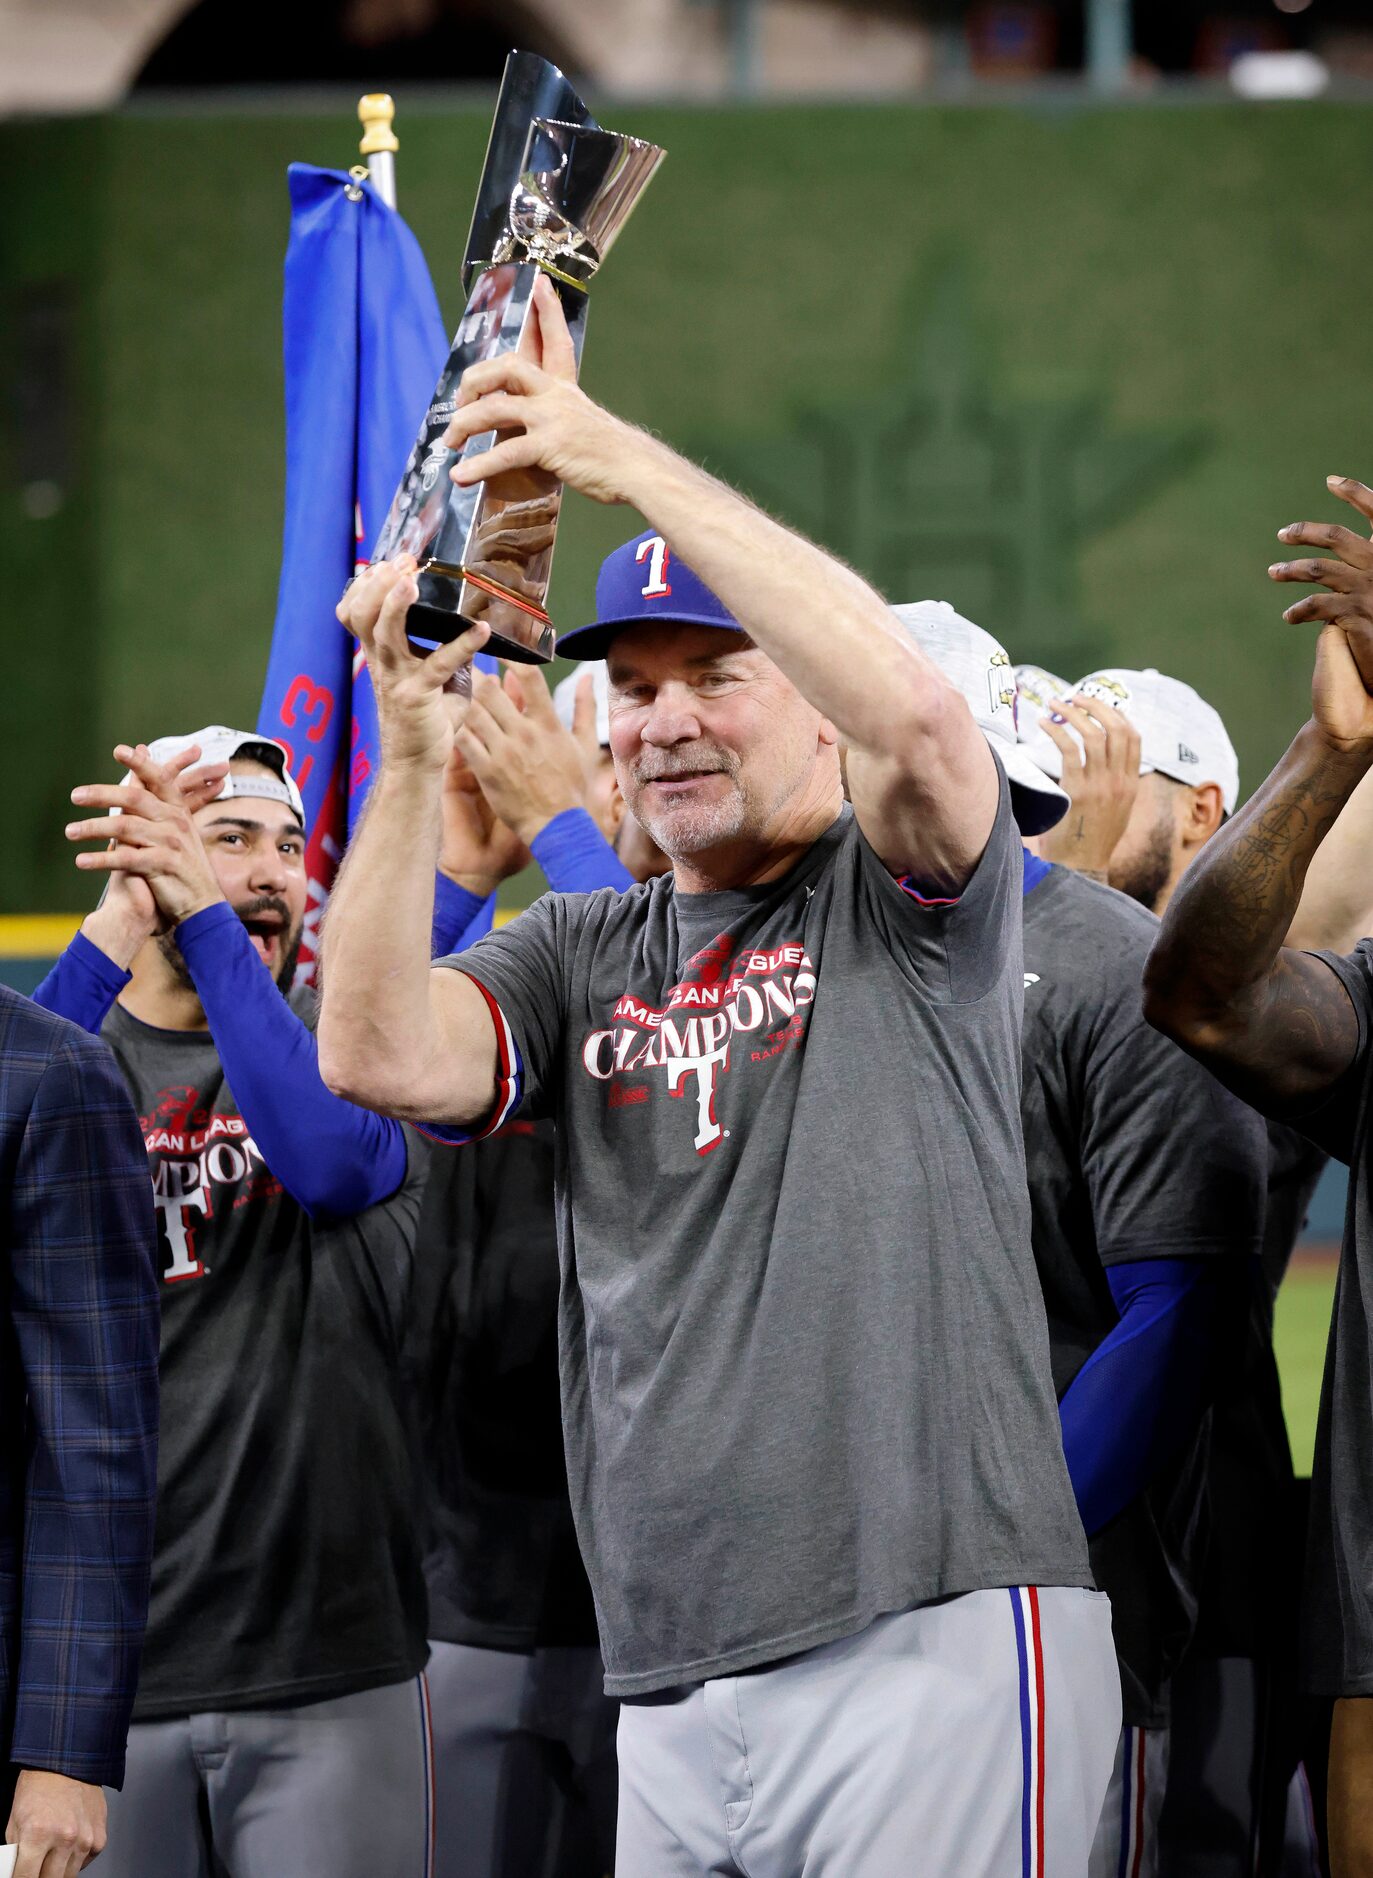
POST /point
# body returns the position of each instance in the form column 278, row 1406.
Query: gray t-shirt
column 1134, row 1151
column 1337, row 1615
column 804, row 1362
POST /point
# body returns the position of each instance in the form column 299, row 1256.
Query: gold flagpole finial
column 375, row 113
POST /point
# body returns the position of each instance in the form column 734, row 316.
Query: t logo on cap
column 643, row 582
column 655, row 551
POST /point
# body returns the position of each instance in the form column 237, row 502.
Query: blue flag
column 365, row 344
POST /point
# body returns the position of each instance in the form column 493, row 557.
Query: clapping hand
column 478, row 850
column 130, row 911
column 530, row 767
column 1342, row 687
column 1100, row 777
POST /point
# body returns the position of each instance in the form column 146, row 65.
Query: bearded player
column 280, row 1723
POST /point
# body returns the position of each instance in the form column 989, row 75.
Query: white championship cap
column 1180, row 735
column 973, row 661
column 219, row 744
column 565, row 697
column 1035, row 690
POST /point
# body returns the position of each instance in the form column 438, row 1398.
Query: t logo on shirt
column 761, row 1006
column 192, row 1155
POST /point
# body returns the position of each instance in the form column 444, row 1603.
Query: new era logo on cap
column 1180, row 734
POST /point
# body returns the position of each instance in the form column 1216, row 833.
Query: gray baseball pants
column 1127, row 1842
column 524, row 1763
column 336, row 1789
column 967, row 1739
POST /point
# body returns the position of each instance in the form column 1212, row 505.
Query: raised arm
column 477, row 852
column 94, row 969
column 922, row 779
column 1275, row 1022
column 1336, row 908
column 332, row 1156
column 393, row 1034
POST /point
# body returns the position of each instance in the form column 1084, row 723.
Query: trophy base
column 452, row 599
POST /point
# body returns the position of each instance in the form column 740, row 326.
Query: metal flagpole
column 375, row 113
column 1108, row 44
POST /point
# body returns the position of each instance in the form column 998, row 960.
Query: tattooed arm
column 1274, row 1023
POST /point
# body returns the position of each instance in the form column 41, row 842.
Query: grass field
column 1303, row 1323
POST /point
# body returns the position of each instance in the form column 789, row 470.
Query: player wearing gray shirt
column 760, row 1217
column 812, row 1440
column 1134, row 1154
column 1147, row 1183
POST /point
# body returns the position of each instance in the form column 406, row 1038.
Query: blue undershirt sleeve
column 1140, row 1396
column 576, row 857
column 82, row 985
column 333, row 1157
column 460, row 917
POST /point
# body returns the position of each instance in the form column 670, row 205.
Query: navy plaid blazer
column 79, row 1323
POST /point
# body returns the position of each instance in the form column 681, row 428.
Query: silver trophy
column 556, row 190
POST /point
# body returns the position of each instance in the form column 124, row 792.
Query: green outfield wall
column 1068, row 367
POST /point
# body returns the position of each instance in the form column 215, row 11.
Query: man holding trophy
column 813, row 1447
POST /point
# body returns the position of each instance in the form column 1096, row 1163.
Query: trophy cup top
column 575, row 192
column 556, row 186
column 530, row 87
column 556, row 189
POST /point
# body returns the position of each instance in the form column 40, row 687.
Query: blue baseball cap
column 640, row 582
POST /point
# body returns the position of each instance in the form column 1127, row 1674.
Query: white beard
column 692, row 827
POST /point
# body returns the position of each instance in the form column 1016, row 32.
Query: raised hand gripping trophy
column 556, row 190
